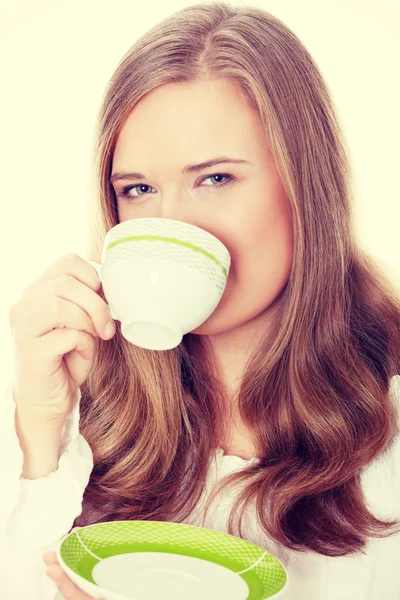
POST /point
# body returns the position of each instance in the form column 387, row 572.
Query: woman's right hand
column 54, row 329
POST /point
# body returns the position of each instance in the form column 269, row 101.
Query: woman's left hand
column 64, row 584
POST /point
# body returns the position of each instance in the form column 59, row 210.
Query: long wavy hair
column 315, row 392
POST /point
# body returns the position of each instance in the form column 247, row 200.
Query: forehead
column 191, row 118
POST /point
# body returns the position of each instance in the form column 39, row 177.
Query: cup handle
column 97, row 266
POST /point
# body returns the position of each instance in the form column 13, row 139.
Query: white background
column 56, row 57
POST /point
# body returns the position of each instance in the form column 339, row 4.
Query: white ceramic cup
column 161, row 278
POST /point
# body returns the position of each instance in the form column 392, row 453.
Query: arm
column 35, row 512
column 40, row 445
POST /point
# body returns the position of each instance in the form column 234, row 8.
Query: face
column 244, row 205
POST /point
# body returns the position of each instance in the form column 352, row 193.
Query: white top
column 36, row 514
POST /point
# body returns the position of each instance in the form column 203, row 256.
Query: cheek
column 264, row 249
column 261, row 258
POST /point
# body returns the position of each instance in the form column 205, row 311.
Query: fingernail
column 109, row 329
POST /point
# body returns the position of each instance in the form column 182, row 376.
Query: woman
column 290, row 388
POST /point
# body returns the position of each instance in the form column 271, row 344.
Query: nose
column 183, row 209
column 174, row 207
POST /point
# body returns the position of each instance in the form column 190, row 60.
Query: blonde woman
column 276, row 420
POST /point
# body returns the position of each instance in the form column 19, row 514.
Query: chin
column 212, row 325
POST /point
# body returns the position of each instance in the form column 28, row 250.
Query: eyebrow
column 187, row 169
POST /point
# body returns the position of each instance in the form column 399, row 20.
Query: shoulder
column 380, row 480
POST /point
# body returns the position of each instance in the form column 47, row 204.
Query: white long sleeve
column 36, row 514
column 45, row 513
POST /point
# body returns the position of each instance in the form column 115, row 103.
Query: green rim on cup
column 156, row 560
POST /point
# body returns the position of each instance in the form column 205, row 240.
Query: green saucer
column 156, row 560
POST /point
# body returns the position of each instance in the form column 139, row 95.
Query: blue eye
column 125, row 190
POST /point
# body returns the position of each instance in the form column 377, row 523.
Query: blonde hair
column 315, row 392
